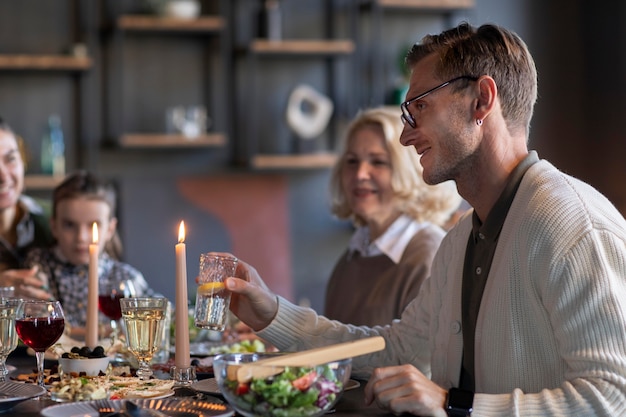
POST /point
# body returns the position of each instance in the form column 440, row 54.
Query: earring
column 479, row 122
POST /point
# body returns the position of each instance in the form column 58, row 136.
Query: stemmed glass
column 144, row 320
column 39, row 324
column 111, row 290
column 8, row 335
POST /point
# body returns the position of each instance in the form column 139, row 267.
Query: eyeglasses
column 407, row 117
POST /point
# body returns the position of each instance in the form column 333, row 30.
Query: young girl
column 79, row 201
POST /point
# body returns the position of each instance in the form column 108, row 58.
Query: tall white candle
column 182, row 358
column 91, row 336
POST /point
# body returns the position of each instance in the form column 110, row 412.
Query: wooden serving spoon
column 265, row 368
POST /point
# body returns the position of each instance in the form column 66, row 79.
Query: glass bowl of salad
column 290, row 392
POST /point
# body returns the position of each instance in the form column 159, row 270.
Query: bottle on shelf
column 53, row 148
column 270, row 25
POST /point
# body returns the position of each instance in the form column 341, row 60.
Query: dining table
column 351, row 402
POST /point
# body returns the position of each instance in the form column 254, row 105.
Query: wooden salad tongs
column 265, row 368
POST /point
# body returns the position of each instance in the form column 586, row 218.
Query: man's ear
column 487, row 94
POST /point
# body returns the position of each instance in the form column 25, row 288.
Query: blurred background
column 185, row 105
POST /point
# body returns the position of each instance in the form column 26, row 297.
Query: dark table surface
column 350, row 404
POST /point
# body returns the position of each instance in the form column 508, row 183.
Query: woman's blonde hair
column 412, row 196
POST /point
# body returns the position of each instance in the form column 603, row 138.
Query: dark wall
column 581, row 49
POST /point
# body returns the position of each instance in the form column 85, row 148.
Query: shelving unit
column 376, row 11
column 202, row 30
column 107, row 28
column 298, row 48
column 326, row 49
column 302, row 47
column 426, row 4
column 43, row 63
column 47, row 69
column 24, row 62
column 41, row 182
column 146, row 23
column 171, row 141
column 289, row 162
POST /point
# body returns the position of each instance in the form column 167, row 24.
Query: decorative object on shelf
column 53, row 148
column 308, row 112
column 79, row 50
column 182, row 9
column 191, row 121
column 178, row 9
column 270, row 24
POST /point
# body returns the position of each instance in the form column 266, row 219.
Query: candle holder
column 183, row 377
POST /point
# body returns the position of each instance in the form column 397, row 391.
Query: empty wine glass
column 39, row 324
column 111, row 290
column 8, row 334
column 144, row 320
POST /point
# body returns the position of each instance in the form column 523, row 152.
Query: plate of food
column 49, row 376
column 172, row 406
column 110, row 387
column 12, row 393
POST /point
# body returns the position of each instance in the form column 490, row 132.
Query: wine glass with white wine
column 8, row 334
column 143, row 319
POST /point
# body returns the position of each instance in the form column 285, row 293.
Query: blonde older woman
column 377, row 183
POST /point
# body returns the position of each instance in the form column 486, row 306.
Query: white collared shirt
column 392, row 242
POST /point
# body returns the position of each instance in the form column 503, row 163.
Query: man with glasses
column 525, row 310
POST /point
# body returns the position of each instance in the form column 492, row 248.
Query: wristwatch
column 460, row 403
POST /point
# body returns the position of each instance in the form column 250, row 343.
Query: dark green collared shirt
column 481, row 246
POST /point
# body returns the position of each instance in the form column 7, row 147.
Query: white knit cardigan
column 551, row 331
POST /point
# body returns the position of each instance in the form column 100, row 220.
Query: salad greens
column 295, row 392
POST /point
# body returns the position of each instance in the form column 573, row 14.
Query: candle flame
column 94, row 232
column 181, row 232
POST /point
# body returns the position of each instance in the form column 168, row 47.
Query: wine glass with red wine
column 111, row 290
column 39, row 324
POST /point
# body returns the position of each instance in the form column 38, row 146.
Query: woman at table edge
column 23, row 223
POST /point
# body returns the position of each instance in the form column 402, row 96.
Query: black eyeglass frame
column 406, row 115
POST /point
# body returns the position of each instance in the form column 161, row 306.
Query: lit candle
column 182, row 358
column 91, row 337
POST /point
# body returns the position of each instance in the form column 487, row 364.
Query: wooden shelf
column 42, row 182
column 167, row 24
column 302, row 47
column 44, row 62
column 303, row 161
column 148, row 140
column 427, row 4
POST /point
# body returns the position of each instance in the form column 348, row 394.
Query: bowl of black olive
column 85, row 361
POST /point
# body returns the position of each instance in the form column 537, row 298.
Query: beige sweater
column 551, row 332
